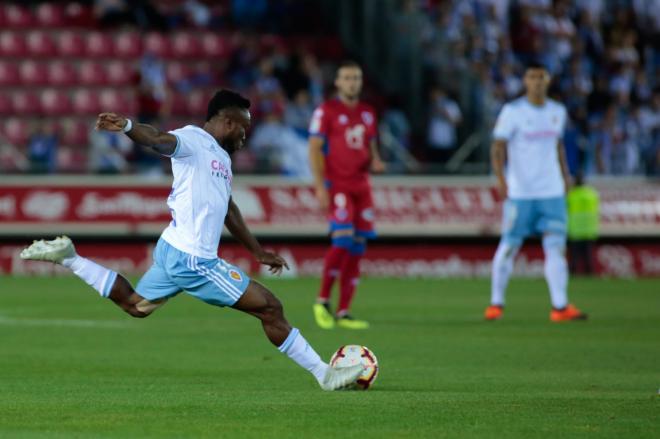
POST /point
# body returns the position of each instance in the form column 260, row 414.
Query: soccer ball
column 350, row 355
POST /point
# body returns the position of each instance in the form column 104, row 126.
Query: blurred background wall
column 437, row 72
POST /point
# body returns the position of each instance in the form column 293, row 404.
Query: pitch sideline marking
column 74, row 323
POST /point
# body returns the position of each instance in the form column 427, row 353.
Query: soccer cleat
column 337, row 378
column 494, row 312
column 323, row 316
column 348, row 322
column 567, row 314
column 55, row 251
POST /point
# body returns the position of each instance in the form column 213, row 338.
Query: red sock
column 350, row 276
column 334, row 260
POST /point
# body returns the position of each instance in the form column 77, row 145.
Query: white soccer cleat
column 55, row 251
column 337, row 378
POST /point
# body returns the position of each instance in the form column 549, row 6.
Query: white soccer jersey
column 200, row 193
column 532, row 133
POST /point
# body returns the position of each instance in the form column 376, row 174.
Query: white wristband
column 128, row 126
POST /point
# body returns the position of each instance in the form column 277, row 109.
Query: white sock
column 556, row 269
column 501, row 272
column 297, row 348
column 95, row 275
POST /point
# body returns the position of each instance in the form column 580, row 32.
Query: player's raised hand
column 110, row 122
column 276, row 262
column 378, row 166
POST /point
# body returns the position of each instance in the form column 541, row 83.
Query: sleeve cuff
column 176, row 149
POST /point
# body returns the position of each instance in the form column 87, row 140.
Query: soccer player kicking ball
column 527, row 136
column 186, row 256
column 342, row 147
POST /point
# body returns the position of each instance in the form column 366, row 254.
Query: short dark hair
column 348, row 63
column 226, row 99
column 535, row 64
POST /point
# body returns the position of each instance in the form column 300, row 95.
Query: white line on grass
column 11, row 321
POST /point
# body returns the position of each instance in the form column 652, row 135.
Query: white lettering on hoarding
column 45, row 205
column 93, row 205
column 8, row 206
column 616, row 260
column 249, row 203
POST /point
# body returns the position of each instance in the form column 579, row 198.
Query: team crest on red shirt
column 367, row 117
column 343, row 119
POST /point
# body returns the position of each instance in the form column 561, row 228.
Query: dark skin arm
column 497, row 161
column 238, row 229
column 563, row 164
column 161, row 142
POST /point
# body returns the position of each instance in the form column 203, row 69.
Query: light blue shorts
column 524, row 218
column 212, row 280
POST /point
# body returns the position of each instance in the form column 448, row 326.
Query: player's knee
column 144, row 308
column 554, row 244
column 507, row 249
column 134, row 312
column 273, row 310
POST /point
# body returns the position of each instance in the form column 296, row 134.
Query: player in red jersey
column 343, row 147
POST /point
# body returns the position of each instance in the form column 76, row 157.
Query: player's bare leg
column 123, row 294
column 262, row 304
column 106, row 282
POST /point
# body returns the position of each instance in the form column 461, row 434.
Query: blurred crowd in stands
column 160, row 62
column 604, row 56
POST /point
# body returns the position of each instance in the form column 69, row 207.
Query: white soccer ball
column 350, row 355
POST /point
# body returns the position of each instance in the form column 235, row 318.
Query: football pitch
column 73, row 365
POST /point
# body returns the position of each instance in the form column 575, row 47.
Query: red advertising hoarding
column 381, row 260
column 403, row 207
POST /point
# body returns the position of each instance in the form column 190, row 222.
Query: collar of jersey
column 212, row 139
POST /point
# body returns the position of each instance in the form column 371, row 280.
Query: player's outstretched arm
column 238, row 229
column 143, row 134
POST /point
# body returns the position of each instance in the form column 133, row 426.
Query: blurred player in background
column 342, row 148
column 583, row 220
column 527, row 137
column 186, row 257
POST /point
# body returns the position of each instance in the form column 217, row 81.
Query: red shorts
column 352, row 209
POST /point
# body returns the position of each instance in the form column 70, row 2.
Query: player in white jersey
column 528, row 140
column 186, row 257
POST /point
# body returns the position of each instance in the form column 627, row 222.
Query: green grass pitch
column 73, row 365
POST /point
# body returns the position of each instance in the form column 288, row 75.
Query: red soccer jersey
column 348, row 132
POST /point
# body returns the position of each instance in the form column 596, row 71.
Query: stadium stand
column 62, row 60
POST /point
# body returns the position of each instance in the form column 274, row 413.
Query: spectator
column 198, row 13
column 397, row 123
column 42, row 148
column 108, row 152
column 282, row 147
column 299, row 112
column 445, row 116
column 617, row 152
